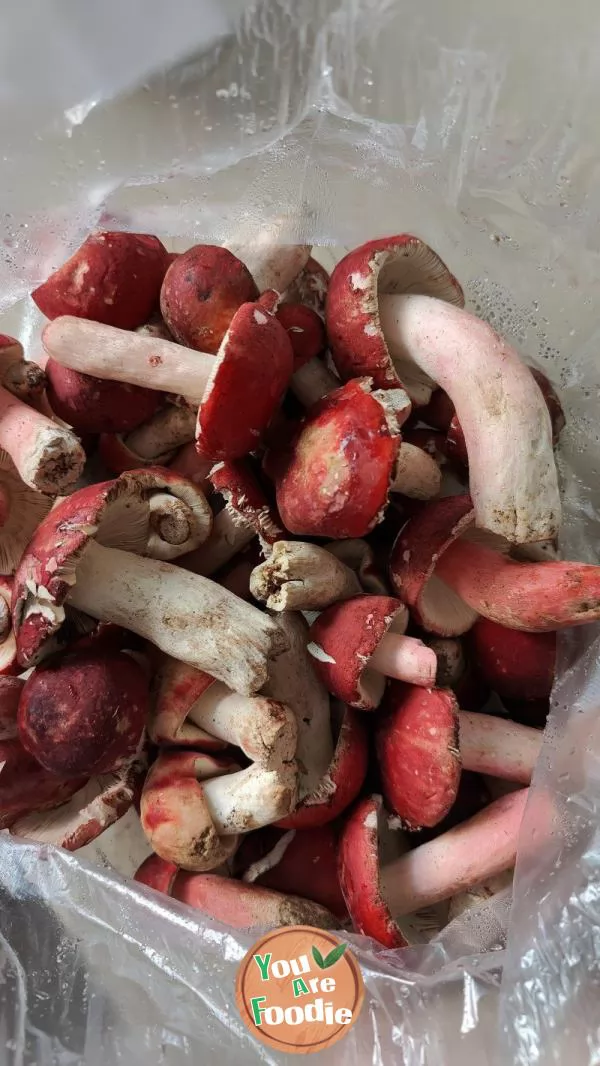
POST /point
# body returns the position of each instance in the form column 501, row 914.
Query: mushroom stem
column 5, row 620
column 302, row 577
column 229, row 536
column 251, row 798
column 313, row 381
column 169, row 428
column 500, row 748
column 48, row 457
column 530, row 596
column 417, row 474
column 171, row 518
column 502, row 412
column 273, row 265
column 185, row 615
column 243, row 906
column 474, row 851
column 106, row 352
column 405, row 658
column 264, row 729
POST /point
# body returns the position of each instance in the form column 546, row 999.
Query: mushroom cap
column 92, row 809
column 516, row 664
column 175, row 815
column 398, row 264
column 176, row 688
column 333, row 478
column 250, row 375
column 359, row 866
column 416, row 551
column 9, row 664
column 113, row 278
column 310, row 287
column 246, row 499
column 342, row 640
column 97, row 405
column 306, row 331
column 25, row 786
column 242, row 906
column 418, row 753
column 118, row 514
column 84, row 712
column 157, row 873
column 343, row 780
column 118, row 457
column 201, row 291
column 10, row 694
column 27, row 508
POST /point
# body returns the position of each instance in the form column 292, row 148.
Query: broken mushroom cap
column 150, row 511
column 515, row 664
column 113, row 278
column 21, row 511
column 245, row 498
column 309, row 287
column 306, row 332
column 242, row 906
column 333, row 479
column 342, row 782
column 97, row 405
column 84, row 713
column 399, row 264
column 298, row 576
column 157, row 873
column 201, row 291
column 357, row 642
column 92, row 809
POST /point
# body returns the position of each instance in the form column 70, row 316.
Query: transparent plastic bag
column 475, row 126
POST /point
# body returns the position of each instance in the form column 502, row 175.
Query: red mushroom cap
column 333, row 481
column 157, row 873
column 97, row 405
column 343, row 781
column 202, row 290
column 306, row 332
column 359, row 866
column 418, row 753
column 245, row 498
column 113, row 278
column 250, row 375
column 310, row 287
column 10, row 694
column 343, row 639
column 517, row 665
column 84, row 712
column 25, row 786
column 399, row 264
column 177, row 687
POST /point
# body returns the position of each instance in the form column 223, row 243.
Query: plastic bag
column 474, row 126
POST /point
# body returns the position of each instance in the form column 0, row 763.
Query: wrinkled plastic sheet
column 475, row 126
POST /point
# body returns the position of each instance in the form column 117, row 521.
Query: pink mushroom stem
column 405, row 658
column 48, row 457
column 530, row 596
column 479, row 848
column 500, row 748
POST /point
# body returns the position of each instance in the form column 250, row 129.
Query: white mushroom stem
column 302, row 577
column 119, row 355
column 230, row 535
column 502, row 412
column 491, row 745
column 186, row 616
column 474, row 851
column 313, row 381
column 48, row 457
column 251, row 798
column 273, row 265
column 263, row 728
column 171, row 518
column 405, row 658
column 168, row 429
column 417, row 474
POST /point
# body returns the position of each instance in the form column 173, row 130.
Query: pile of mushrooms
column 269, row 542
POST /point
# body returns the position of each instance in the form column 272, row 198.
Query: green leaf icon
column 332, row 958
column 316, row 954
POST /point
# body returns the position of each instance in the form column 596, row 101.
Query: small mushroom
column 84, row 555
column 84, row 712
column 193, row 805
column 423, row 741
column 359, row 642
column 18, row 376
column 298, row 576
column 47, row 457
column 242, row 906
column 377, row 895
column 312, row 379
column 95, row 405
column 113, row 278
column 21, row 511
column 515, row 664
column 237, row 391
column 448, row 574
column 153, row 443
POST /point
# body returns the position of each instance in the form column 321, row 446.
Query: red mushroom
column 84, row 712
column 378, row 896
column 302, row 862
column 25, row 787
column 448, row 575
column 76, row 559
column 238, row 390
column 157, row 873
column 113, row 278
column 94, row 405
column 423, row 741
column 48, row 457
column 358, row 642
column 515, row 664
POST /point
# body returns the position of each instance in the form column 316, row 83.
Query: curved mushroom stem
column 169, row 428
column 229, row 536
column 500, row 748
column 106, row 352
column 534, row 596
column 264, row 729
column 313, row 381
column 48, row 457
column 302, row 577
column 502, row 412
column 417, row 474
column 405, row 658
column 185, row 615
column 479, row 848
column 5, row 620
